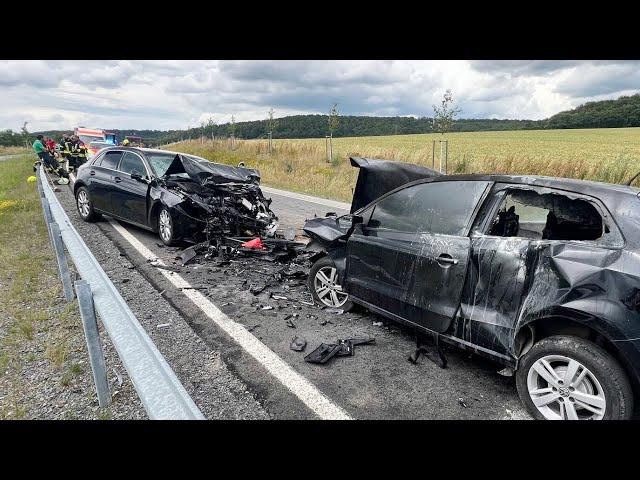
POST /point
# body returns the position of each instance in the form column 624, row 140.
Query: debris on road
column 298, row 344
column 163, row 325
column 326, row 351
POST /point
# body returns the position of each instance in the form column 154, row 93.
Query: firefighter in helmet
column 125, row 142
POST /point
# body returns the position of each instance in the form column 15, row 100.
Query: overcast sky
column 177, row 94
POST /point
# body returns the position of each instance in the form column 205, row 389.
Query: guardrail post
column 94, row 346
column 56, row 237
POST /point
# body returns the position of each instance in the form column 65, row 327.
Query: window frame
column 144, row 164
column 105, row 154
column 614, row 239
column 467, row 228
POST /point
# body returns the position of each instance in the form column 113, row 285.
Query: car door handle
column 446, row 259
column 92, row 172
column 117, row 179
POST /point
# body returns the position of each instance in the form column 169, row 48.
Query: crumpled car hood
column 327, row 229
column 377, row 177
column 205, row 171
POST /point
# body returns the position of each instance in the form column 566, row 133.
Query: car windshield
column 160, row 162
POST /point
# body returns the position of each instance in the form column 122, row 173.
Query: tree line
column 622, row 112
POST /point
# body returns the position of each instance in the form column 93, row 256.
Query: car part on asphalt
column 326, row 351
column 298, row 344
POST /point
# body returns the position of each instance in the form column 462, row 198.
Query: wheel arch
column 557, row 324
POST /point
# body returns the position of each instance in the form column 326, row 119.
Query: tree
column 444, row 115
column 334, row 121
column 272, row 124
column 24, row 130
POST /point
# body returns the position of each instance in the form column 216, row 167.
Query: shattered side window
column 438, row 207
column 546, row 216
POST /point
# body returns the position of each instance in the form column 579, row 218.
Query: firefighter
column 81, row 152
column 65, row 145
column 125, row 142
column 74, row 151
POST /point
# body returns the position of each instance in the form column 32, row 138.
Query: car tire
column 324, row 286
column 85, row 205
column 573, row 378
column 166, row 227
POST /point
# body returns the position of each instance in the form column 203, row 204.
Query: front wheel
column 166, row 230
column 570, row 378
column 325, row 287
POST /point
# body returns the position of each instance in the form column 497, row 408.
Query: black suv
column 541, row 274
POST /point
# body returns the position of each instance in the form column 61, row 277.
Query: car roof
column 587, row 187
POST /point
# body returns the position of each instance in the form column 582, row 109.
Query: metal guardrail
column 160, row 391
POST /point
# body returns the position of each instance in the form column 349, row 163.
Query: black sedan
column 540, row 274
column 177, row 195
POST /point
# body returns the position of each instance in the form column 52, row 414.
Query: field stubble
column 608, row 155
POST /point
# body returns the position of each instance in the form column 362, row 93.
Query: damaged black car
column 541, row 274
column 179, row 196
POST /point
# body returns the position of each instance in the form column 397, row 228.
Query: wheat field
column 609, row 155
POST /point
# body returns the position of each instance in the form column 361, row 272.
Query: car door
column 129, row 195
column 101, row 184
column 410, row 258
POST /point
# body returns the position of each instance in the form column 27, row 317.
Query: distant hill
column 622, row 112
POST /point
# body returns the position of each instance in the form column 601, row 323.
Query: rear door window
column 437, row 207
column 110, row 160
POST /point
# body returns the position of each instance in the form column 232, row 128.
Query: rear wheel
column 325, row 287
column 570, row 378
column 166, row 230
column 85, row 205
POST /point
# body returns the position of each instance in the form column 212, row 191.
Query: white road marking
column 307, row 198
column 309, row 394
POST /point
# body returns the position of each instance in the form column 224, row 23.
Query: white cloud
column 176, row 94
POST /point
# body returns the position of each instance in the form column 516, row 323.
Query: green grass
column 36, row 322
column 609, row 155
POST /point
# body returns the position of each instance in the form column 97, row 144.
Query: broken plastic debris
column 298, row 344
column 255, row 244
column 163, row 325
column 506, row 372
column 278, row 297
column 378, row 324
column 342, row 348
column 267, row 307
column 337, row 311
column 462, row 402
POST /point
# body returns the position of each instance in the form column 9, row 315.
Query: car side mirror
column 135, row 175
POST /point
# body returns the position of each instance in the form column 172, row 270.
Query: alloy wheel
column 328, row 289
column 83, row 203
column 164, row 224
column 562, row 388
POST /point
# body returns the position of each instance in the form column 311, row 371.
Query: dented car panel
column 541, row 251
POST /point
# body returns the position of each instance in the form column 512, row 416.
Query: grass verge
column 36, row 324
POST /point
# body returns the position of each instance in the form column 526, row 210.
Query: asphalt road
column 377, row 382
